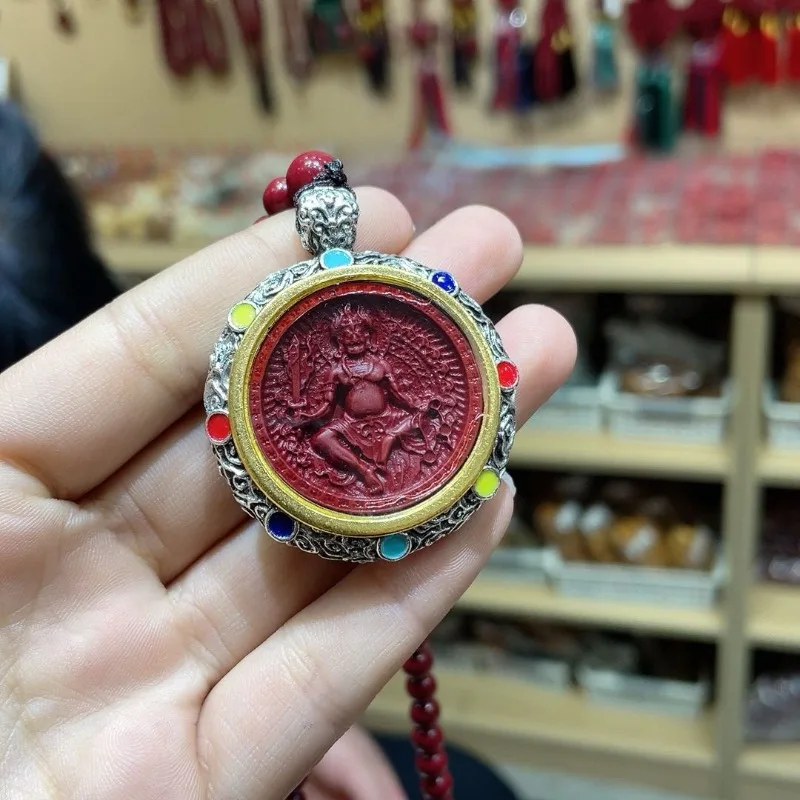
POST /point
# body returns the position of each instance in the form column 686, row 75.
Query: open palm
column 153, row 642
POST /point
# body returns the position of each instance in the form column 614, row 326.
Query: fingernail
column 509, row 481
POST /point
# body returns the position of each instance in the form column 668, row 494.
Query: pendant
column 360, row 405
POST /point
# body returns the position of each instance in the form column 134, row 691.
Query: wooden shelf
column 671, row 268
column 666, row 268
column 144, row 258
column 779, row 467
column 510, row 721
column 775, row 269
column 503, row 596
column 774, row 615
column 604, row 453
column 770, row 772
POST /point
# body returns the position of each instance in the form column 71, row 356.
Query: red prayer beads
column 276, row 196
column 305, row 168
column 436, row 781
column 280, row 192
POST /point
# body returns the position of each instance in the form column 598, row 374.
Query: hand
column 354, row 769
column 154, row 642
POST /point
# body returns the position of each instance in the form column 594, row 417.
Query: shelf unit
column 501, row 596
column 511, row 721
column 603, row 453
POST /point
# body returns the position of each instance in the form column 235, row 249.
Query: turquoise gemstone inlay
column 394, row 546
column 336, row 257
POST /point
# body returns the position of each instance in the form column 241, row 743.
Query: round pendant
column 360, row 405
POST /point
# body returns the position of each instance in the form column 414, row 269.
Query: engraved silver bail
column 327, row 212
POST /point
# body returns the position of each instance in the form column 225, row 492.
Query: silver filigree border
column 360, row 549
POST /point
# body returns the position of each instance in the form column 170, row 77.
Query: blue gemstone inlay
column 281, row 525
column 445, row 281
column 394, row 546
column 336, row 257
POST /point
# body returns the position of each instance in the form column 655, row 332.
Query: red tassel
column 429, row 110
column 703, row 108
column 768, row 49
column 507, row 41
column 793, row 48
column 736, row 41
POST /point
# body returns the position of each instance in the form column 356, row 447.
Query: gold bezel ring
column 292, row 502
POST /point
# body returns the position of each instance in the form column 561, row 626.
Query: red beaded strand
column 436, row 781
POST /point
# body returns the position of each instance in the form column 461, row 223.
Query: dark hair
column 50, row 276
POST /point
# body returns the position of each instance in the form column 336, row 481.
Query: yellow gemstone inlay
column 487, row 483
column 242, row 315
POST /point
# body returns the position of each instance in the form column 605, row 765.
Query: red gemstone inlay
column 218, row 427
column 305, row 168
column 365, row 397
column 508, row 374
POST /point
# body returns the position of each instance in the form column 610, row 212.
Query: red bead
column 438, row 786
column 261, row 219
column 305, row 168
column 276, row 196
column 218, row 428
column 421, row 688
column 425, row 712
column 431, row 763
column 420, row 663
column 507, row 374
column 429, row 740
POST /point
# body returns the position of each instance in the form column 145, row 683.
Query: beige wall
column 108, row 86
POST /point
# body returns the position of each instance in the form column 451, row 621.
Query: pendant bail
column 327, row 212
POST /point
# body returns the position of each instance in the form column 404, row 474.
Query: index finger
column 79, row 408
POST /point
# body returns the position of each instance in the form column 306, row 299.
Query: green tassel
column 605, row 73
column 656, row 112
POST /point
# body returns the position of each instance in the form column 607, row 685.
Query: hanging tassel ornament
column 651, row 24
column 372, row 42
column 554, row 65
column 251, row 28
column 464, row 41
column 329, row 29
column 508, row 56
column 704, row 87
column 738, row 58
column 64, row 17
column 430, row 116
column 605, row 69
column 297, row 53
column 767, row 48
column 702, row 111
column 793, row 47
